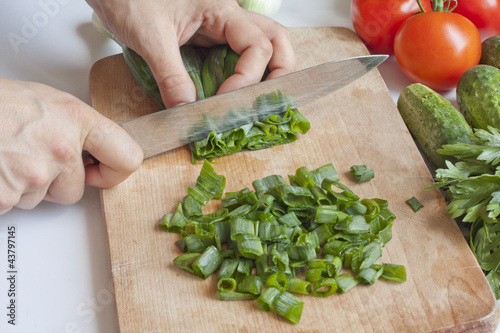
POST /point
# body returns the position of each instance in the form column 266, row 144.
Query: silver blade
column 175, row 127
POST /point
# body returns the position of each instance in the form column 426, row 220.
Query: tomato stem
column 440, row 5
column 422, row 9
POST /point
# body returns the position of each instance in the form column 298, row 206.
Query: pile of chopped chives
column 311, row 236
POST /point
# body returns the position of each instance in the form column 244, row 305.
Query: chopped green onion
column 325, row 172
column 414, row 204
column 293, row 196
column 329, row 214
column 299, row 286
column 249, row 246
column 301, row 252
column 304, row 178
column 320, row 196
column 267, row 183
column 267, row 300
column 325, row 287
column 226, row 284
column 272, row 233
column 241, row 226
column 240, row 211
column 191, row 207
column 393, row 272
column 361, row 173
column 209, row 261
column 371, row 253
column 314, row 274
column 278, row 280
column 280, row 230
column 289, row 306
column 289, row 219
column 208, row 185
column 333, row 267
column 186, row 260
column 234, row 296
column 165, row 221
column 178, row 220
column 244, row 268
column 194, row 244
column 252, row 284
column 369, row 275
column 324, row 232
column 228, row 268
column 317, row 263
column 345, row 282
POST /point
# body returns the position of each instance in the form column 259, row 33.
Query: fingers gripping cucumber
column 432, row 120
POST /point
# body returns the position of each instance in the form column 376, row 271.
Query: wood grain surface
column 446, row 290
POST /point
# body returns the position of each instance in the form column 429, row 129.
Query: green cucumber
column 478, row 96
column 432, row 120
column 490, row 52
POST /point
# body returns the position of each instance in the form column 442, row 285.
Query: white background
column 64, row 278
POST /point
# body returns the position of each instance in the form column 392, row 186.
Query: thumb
column 174, row 82
column 119, row 155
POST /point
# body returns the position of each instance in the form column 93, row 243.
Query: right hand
column 42, row 134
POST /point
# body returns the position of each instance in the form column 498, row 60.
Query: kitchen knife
column 171, row 128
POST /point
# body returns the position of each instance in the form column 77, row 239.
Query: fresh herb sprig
column 473, row 186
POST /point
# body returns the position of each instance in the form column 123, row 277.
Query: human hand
column 155, row 29
column 42, row 134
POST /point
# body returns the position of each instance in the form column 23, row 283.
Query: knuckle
column 282, row 32
column 174, row 82
column 64, row 151
column 37, row 177
column 8, row 200
column 266, row 47
column 28, row 202
column 73, row 197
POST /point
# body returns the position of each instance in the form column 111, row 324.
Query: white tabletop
column 63, row 278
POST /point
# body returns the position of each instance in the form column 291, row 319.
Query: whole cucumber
column 432, row 120
column 490, row 52
column 478, row 96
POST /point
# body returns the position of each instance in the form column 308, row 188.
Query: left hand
column 155, row 29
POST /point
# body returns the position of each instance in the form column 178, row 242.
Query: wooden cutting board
column 360, row 124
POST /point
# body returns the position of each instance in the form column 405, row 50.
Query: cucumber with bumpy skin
column 432, row 120
column 478, row 96
column 490, row 52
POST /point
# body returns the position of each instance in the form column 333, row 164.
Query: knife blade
column 171, row 128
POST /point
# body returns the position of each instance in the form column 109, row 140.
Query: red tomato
column 436, row 48
column 485, row 14
column 376, row 21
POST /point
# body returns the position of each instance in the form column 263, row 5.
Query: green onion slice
column 234, row 296
column 209, row 261
column 299, row 286
column 278, row 280
column 345, row 282
column 289, row 306
column 362, row 173
column 325, row 287
column 251, row 284
column 267, row 300
column 414, row 204
column 226, row 284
